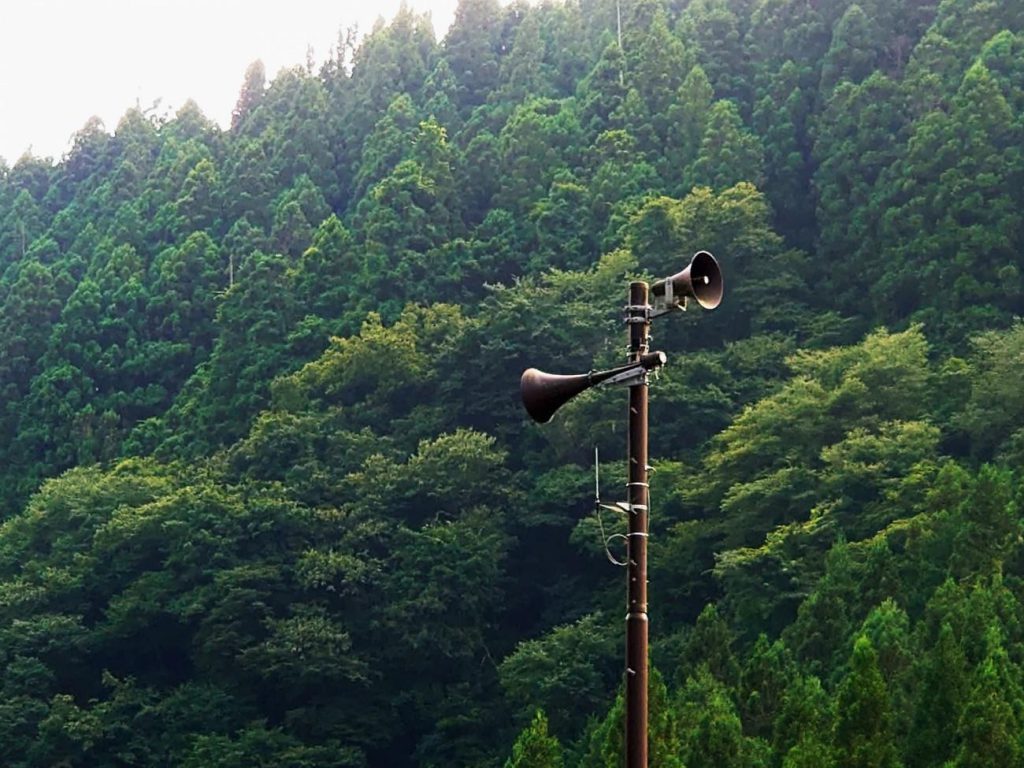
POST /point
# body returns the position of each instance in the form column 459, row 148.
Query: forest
column 268, row 497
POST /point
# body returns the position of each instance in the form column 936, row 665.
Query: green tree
column 714, row 29
column 782, row 119
column 990, row 526
column 602, row 91
column 186, row 284
column 991, row 416
column 989, row 728
column 386, row 146
column 253, row 327
column 564, row 231
column 810, row 752
column 323, row 280
column 27, row 315
column 539, row 140
column 407, row 217
column 440, row 97
column 534, row 748
column 254, row 84
column 688, row 119
column 656, row 64
column 568, row 672
column 711, row 732
column 710, row 646
column 264, row 747
column 198, row 203
column 22, row 224
column 863, row 730
column 619, row 181
column 521, row 72
column 939, row 703
column 852, row 149
column 803, row 727
column 974, row 147
column 767, row 675
column 729, row 153
column 394, row 59
column 472, row 48
column 823, row 620
column 248, row 182
column 852, row 55
column 607, row 747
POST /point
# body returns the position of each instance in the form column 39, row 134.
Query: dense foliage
column 269, row 498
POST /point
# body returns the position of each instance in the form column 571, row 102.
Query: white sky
column 63, row 61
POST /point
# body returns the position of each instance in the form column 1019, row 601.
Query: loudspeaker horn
column 544, row 393
column 701, row 281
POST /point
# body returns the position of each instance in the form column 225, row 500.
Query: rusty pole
column 639, row 320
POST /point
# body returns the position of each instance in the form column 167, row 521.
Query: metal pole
column 638, row 318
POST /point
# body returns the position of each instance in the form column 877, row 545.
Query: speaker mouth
column 706, row 280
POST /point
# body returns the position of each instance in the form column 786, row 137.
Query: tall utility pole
column 638, row 316
column 544, row 393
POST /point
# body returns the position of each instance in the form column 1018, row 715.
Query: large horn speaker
column 701, row 281
column 544, row 393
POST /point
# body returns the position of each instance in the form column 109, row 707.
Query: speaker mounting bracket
column 636, row 374
column 630, row 378
column 667, row 303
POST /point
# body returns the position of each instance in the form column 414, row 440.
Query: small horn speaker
column 701, row 281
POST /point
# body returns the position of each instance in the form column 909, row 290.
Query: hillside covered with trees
column 269, row 497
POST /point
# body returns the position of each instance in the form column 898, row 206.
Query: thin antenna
column 622, row 54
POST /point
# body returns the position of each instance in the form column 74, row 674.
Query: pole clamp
column 637, row 314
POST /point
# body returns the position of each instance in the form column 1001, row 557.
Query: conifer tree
column 710, row 729
column 852, row 54
column 607, row 748
column 388, row 144
column 989, row 728
column 767, row 675
column 602, row 91
column 472, row 49
column 853, row 148
column 729, row 152
column 710, row 646
column 864, row 732
column 656, row 64
column 939, row 702
column 714, row 30
column 781, row 118
column 539, row 140
column 534, row 748
column 688, row 119
column 804, row 721
column 253, row 86
column 440, row 97
column 810, row 752
column 975, row 148
column 522, row 73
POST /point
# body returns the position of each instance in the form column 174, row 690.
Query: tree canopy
column 268, row 495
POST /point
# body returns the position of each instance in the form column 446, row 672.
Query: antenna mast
column 622, row 53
